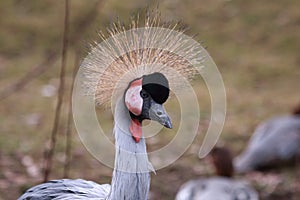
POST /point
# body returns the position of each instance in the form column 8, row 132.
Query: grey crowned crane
column 137, row 68
column 142, row 100
column 220, row 187
column 274, row 142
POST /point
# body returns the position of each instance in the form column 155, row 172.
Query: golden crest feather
column 129, row 54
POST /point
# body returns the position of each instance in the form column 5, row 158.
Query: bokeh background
column 255, row 45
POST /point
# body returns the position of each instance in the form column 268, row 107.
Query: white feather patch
column 133, row 100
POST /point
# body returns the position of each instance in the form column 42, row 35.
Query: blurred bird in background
column 220, row 187
column 273, row 143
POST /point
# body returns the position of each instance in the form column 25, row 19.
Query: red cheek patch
column 133, row 99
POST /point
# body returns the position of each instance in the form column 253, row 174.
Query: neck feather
column 131, row 178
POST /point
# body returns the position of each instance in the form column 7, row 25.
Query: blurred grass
column 256, row 46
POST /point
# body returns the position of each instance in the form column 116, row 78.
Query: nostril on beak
column 159, row 113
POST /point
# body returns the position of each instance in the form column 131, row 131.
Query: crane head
column 145, row 96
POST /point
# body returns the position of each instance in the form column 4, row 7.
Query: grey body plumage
column 274, row 141
column 217, row 188
column 221, row 187
column 67, row 189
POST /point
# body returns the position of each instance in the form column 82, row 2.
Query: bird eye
column 144, row 94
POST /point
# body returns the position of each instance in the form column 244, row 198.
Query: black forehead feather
column 157, row 86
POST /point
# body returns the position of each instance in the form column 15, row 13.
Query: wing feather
column 67, row 189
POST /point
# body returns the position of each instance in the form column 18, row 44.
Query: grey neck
column 131, row 178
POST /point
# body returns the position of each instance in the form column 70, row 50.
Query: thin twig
column 82, row 24
column 49, row 154
column 68, row 131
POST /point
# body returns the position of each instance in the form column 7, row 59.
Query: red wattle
column 136, row 130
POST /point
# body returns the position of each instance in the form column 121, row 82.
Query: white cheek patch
column 133, row 99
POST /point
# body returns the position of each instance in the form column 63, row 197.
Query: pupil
column 144, row 94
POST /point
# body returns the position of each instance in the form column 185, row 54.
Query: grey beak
column 158, row 113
